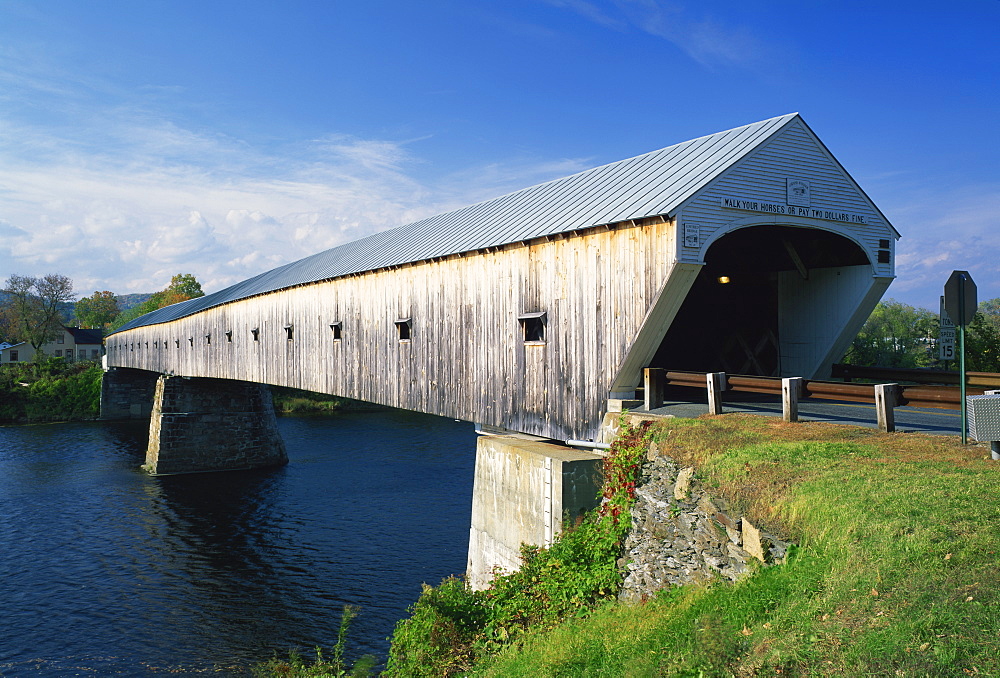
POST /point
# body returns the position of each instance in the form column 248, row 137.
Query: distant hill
column 127, row 301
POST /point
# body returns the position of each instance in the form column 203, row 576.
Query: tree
column 982, row 344
column 33, row 306
column 185, row 285
column 895, row 335
column 991, row 311
column 900, row 335
column 182, row 287
column 131, row 314
column 97, row 310
column 8, row 324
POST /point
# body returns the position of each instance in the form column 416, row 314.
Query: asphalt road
column 692, row 403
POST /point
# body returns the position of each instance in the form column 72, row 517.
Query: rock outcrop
column 681, row 535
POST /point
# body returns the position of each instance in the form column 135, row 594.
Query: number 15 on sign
column 946, row 344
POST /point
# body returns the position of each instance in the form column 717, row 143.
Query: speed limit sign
column 946, row 343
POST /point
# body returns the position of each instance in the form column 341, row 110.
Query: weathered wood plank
column 466, row 357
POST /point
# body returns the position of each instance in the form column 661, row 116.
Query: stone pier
column 201, row 424
column 127, row 393
column 525, row 492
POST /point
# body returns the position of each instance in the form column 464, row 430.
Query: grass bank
column 50, row 390
column 895, row 572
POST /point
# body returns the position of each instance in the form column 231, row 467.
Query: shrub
column 50, row 390
column 451, row 626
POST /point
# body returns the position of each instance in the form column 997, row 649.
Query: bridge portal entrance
column 741, row 304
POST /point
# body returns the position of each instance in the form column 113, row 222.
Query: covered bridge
column 748, row 251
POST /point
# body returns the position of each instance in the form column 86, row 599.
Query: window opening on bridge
column 883, row 251
column 177, row 342
column 256, row 333
column 337, row 328
column 288, row 332
column 229, row 337
column 404, row 327
column 533, row 327
column 191, row 340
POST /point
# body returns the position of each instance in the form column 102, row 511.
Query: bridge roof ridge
column 646, row 185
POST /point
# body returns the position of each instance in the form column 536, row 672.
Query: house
column 72, row 343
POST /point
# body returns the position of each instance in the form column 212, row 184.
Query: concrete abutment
column 525, row 492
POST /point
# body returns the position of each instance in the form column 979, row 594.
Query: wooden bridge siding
column 466, row 358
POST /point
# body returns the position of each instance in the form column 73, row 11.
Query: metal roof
column 648, row 185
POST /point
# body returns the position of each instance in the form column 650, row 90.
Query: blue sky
column 143, row 139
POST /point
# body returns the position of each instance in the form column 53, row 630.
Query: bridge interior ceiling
column 729, row 321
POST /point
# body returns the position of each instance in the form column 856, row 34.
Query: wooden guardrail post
column 791, row 391
column 716, row 382
column 655, row 380
column 886, row 397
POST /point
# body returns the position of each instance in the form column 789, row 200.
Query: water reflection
column 108, row 569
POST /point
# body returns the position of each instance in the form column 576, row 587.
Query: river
column 107, row 571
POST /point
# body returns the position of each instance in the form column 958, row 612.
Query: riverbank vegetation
column 50, row 389
column 895, row 572
column 293, row 401
column 452, row 628
column 332, row 666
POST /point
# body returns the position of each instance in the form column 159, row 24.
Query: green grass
column 333, row 666
column 298, row 402
column 895, row 572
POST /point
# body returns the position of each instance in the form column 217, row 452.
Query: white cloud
column 144, row 203
column 129, row 221
column 955, row 230
column 705, row 39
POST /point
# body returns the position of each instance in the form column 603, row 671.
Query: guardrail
column 884, row 397
column 989, row 380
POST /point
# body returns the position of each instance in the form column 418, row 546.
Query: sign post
column 960, row 305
